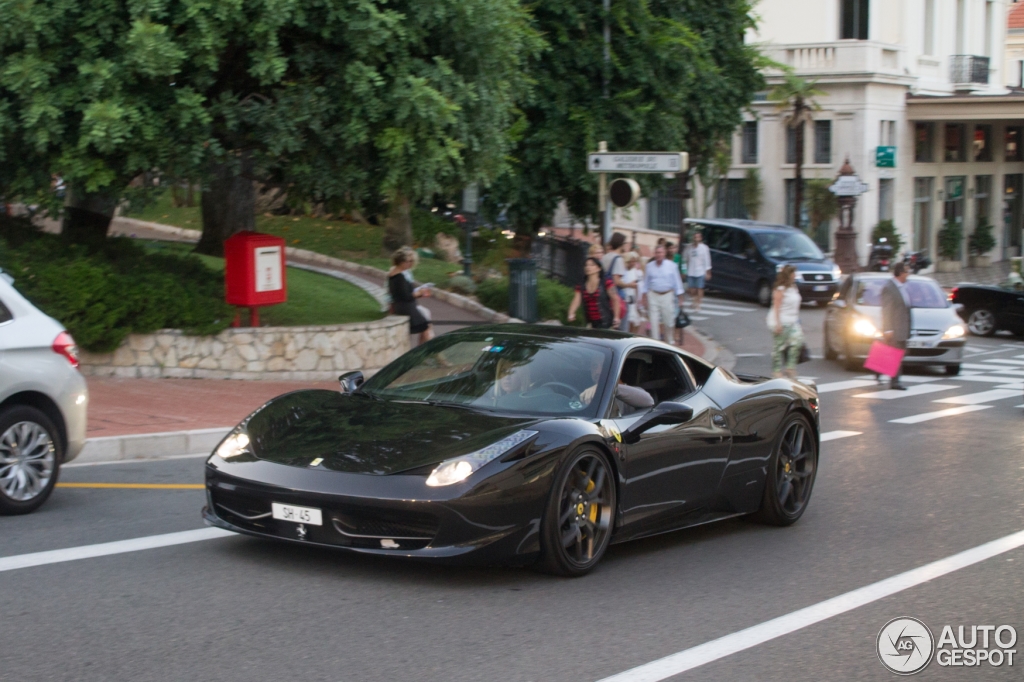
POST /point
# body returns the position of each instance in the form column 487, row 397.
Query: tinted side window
column 743, row 244
column 720, row 238
column 5, row 314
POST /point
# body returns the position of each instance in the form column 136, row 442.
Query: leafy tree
column 677, row 78
column 710, row 174
column 950, row 238
column 822, row 204
column 887, row 229
column 753, row 190
column 795, row 96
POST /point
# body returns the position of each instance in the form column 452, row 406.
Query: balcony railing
column 967, row 69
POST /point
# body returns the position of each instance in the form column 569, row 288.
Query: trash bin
column 522, row 288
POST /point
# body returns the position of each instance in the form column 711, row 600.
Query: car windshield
column 511, row 373
column 788, row 246
column 923, row 294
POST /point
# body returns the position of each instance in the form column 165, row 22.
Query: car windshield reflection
column 788, row 246
column 501, row 372
column 923, row 294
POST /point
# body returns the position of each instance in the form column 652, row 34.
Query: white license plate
column 917, row 343
column 289, row 512
column 821, row 287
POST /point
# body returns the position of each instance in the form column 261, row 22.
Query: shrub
column 461, row 284
column 426, row 225
column 949, row 239
column 553, row 299
column 103, row 293
column 982, row 241
column 887, row 229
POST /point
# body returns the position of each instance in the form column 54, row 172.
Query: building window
column 982, row 199
column 982, row 143
column 953, row 203
column 854, row 19
column 730, row 200
column 1013, row 140
column 956, row 134
column 823, row 142
column 923, row 145
column 886, row 198
column 791, row 143
column 749, row 150
column 929, row 27
column 887, row 133
column 922, row 213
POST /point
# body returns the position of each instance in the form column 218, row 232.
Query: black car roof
column 749, row 225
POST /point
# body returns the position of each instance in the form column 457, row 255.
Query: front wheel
column 982, row 322
column 764, row 294
column 952, row 370
column 791, row 472
column 580, row 515
column 29, row 459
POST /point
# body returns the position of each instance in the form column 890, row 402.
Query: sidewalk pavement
column 993, row 274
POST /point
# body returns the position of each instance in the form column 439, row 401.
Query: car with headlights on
column 854, row 318
column 518, row 444
column 42, row 402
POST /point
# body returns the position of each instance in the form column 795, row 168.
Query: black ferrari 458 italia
column 516, row 444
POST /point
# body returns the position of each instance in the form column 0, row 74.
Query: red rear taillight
column 65, row 345
column 953, row 293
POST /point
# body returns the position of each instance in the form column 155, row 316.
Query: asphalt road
column 891, row 498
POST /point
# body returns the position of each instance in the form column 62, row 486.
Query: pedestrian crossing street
column 985, row 382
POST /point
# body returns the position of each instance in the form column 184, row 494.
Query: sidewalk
column 993, row 274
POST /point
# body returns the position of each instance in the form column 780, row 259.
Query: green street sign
column 885, row 157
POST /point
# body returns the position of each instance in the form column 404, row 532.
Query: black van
column 746, row 255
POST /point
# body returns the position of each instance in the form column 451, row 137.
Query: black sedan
column 989, row 309
column 515, row 443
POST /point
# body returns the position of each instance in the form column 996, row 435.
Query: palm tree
column 795, row 96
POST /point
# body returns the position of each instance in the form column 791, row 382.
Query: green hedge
column 102, row 294
column 553, row 299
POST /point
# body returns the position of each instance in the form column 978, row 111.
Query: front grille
column 925, row 352
column 817, row 277
column 344, row 525
column 925, row 332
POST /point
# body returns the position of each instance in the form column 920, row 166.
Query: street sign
column 848, row 186
column 638, row 162
column 470, row 198
column 885, row 156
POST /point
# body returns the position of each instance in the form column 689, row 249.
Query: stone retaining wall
column 273, row 353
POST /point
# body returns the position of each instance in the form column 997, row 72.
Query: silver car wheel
column 27, row 459
column 982, row 323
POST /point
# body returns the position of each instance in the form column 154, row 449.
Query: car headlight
column 837, row 272
column 955, row 332
column 458, row 469
column 862, row 326
column 234, row 445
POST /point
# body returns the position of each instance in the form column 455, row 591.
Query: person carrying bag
column 598, row 296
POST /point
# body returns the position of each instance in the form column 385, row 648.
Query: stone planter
column 980, row 261
column 948, row 266
column 275, row 353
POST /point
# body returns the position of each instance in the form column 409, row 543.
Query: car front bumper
column 394, row 515
column 817, row 291
column 942, row 353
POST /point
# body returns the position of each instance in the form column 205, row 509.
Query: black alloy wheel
column 30, row 456
column 580, row 515
column 791, row 473
column 982, row 322
column 764, row 293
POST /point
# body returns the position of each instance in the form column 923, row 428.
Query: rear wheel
column 982, row 322
column 580, row 515
column 29, row 459
column 764, row 293
column 791, row 472
column 952, row 370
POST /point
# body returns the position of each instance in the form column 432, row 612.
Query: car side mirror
column 662, row 413
column 350, row 381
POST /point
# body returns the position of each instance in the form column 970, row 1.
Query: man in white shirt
column 698, row 269
column 659, row 290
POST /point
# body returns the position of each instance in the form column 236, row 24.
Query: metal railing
column 560, row 258
column 968, row 68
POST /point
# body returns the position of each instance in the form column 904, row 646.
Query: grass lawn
column 349, row 241
column 313, row 299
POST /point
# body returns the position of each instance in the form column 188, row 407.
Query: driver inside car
column 512, row 378
column 636, row 398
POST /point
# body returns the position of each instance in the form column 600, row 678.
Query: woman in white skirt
column 784, row 323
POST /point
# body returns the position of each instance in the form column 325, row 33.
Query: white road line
column 1019, row 357
column 750, row 355
column 843, row 385
column 920, row 380
column 928, row 416
column 920, row 389
column 12, row 563
column 719, row 306
column 797, row 620
column 1004, row 362
column 1011, row 372
column 714, row 313
column 978, row 398
column 836, row 435
column 986, row 379
column 968, row 365
column 698, row 318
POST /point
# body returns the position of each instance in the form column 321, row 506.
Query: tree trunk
column 228, row 205
column 798, row 169
column 87, row 216
column 398, row 224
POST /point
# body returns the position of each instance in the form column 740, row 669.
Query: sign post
column 847, row 188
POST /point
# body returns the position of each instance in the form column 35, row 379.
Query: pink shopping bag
column 884, row 359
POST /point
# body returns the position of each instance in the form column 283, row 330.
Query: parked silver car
column 43, row 400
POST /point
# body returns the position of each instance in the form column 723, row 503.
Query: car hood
column 939, row 319
column 810, row 265
column 358, row 434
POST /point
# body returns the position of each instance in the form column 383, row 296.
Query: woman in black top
column 403, row 298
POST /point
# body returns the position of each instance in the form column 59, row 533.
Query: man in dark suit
column 896, row 315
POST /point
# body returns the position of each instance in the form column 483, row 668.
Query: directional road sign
column 638, row 162
column 849, row 186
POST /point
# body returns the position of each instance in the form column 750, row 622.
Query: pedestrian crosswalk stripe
column 920, row 389
column 993, row 361
column 719, row 306
column 983, row 397
column 714, row 313
column 697, row 318
column 928, row 416
column 1011, row 372
column 984, row 378
column 835, row 435
column 968, row 365
column 1016, row 386
column 843, row 385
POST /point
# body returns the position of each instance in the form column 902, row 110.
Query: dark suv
column 746, row 255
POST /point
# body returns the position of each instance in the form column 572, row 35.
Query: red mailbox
column 254, row 271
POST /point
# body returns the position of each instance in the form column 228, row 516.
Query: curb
column 149, row 445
